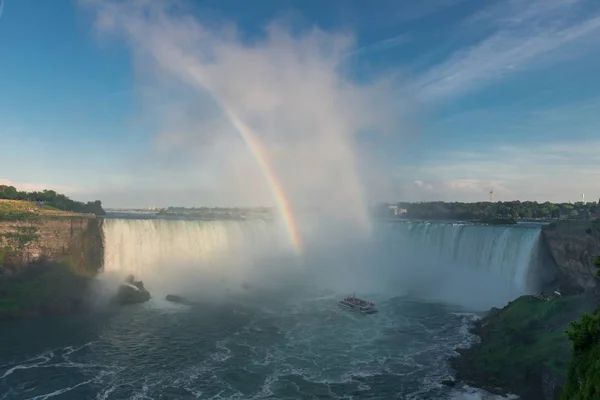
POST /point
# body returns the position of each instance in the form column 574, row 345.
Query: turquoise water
column 278, row 346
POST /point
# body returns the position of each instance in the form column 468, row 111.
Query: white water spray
column 473, row 265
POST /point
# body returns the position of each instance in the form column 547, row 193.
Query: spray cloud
column 291, row 89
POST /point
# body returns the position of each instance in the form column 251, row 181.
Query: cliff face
column 47, row 264
column 573, row 248
column 74, row 240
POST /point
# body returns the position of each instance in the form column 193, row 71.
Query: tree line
column 51, row 199
column 488, row 210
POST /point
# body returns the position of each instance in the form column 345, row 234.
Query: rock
column 177, row 299
column 573, row 251
column 132, row 294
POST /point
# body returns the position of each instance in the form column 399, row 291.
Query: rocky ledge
column 523, row 347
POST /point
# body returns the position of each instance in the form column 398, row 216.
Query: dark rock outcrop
column 131, row 292
column 573, row 248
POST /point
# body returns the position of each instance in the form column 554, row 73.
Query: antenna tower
column 491, row 196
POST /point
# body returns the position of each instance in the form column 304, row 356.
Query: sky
column 352, row 102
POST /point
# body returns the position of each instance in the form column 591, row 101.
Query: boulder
column 177, row 299
column 131, row 293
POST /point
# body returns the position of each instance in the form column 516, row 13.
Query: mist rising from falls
column 478, row 266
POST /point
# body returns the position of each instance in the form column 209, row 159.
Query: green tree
column 583, row 376
column 574, row 214
column 9, row 193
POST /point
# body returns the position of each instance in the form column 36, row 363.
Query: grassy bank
column 14, row 210
column 46, row 289
column 524, row 348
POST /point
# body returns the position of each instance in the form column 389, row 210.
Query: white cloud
column 289, row 88
column 528, row 33
column 547, row 172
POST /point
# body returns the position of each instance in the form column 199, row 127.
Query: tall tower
column 491, row 196
column 583, row 197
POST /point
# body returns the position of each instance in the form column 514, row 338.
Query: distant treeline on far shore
column 488, row 211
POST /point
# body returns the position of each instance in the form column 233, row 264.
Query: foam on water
column 303, row 346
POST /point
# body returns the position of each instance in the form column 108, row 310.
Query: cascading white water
column 502, row 251
column 142, row 246
column 451, row 262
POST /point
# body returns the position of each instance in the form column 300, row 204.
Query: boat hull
column 355, row 308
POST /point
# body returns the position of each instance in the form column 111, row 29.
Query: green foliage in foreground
column 583, row 379
column 521, row 343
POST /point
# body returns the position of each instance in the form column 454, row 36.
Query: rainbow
column 261, row 158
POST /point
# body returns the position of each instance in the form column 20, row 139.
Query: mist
column 293, row 89
column 210, row 89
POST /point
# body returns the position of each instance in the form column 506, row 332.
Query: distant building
column 397, row 210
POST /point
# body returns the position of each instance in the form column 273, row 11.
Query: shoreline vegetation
column 508, row 212
column 490, row 213
column 17, row 205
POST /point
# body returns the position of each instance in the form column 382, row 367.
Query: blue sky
column 429, row 100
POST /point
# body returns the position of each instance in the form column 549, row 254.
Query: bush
column 583, row 379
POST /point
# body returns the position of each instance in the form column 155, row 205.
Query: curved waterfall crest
column 507, row 252
column 428, row 255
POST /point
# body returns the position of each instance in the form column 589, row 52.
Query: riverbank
column 523, row 347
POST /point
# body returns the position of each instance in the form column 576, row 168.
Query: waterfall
column 141, row 246
column 466, row 263
column 506, row 252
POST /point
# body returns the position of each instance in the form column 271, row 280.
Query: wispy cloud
column 553, row 172
column 385, row 44
column 527, row 33
column 393, row 12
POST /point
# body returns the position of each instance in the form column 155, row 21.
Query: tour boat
column 355, row 304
